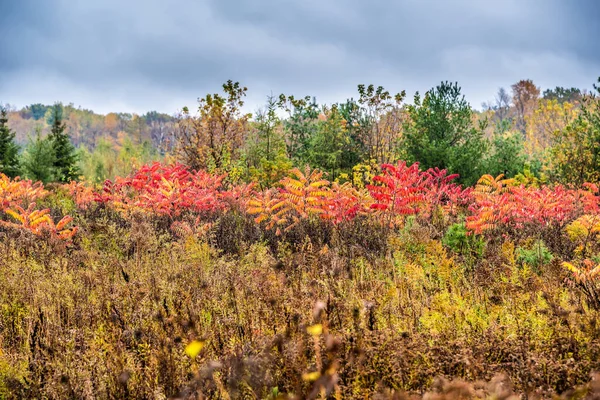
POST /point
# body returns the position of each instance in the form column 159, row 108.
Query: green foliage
column 38, row 111
column 108, row 160
column 562, row 94
column 536, row 255
column 532, row 174
column 264, row 157
column 576, row 150
column 357, row 124
column 440, row 133
column 507, row 155
column 38, row 158
column 60, row 201
column 460, row 240
column 9, row 151
column 439, row 130
column 300, row 126
column 64, row 164
column 329, row 143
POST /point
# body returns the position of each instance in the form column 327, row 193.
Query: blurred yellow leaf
column 311, row 376
column 315, row 330
column 193, row 348
column 571, row 267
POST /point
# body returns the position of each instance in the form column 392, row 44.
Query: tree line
column 522, row 133
column 537, row 137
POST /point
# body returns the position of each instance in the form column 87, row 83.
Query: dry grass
column 356, row 313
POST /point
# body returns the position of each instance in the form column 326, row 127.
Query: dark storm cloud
column 139, row 55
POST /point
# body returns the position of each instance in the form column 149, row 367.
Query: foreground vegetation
column 296, row 257
column 171, row 283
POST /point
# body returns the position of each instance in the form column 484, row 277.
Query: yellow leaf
column 166, row 193
column 571, row 267
column 315, row 330
column 311, row 376
column 194, row 347
column 167, row 183
column 15, row 215
column 255, row 210
column 39, row 220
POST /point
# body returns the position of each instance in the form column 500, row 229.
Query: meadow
column 176, row 283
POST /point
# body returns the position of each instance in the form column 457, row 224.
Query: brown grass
column 392, row 315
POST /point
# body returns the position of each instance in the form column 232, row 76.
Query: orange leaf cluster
column 400, row 190
column 19, row 192
column 17, row 201
column 39, row 222
column 82, row 194
column 306, row 194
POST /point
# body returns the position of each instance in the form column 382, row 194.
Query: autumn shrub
column 585, row 277
column 19, row 192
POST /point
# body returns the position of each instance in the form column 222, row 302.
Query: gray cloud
column 141, row 55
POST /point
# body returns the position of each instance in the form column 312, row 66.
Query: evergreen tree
column 38, row 158
column 38, row 111
column 507, row 155
column 300, row 126
column 359, row 127
column 563, row 95
column 65, row 157
column 9, row 151
column 440, row 133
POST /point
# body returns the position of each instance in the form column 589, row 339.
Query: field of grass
column 151, row 305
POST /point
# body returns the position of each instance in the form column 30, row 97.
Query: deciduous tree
column 214, row 138
column 524, row 97
column 576, row 150
column 384, row 122
column 548, row 117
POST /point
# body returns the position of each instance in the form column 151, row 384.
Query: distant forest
column 86, row 127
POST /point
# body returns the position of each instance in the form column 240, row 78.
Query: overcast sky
column 140, row 55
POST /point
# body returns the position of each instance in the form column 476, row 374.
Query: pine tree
column 65, row 157
column 38, row 158
column 440, row 133
column 9, row 151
